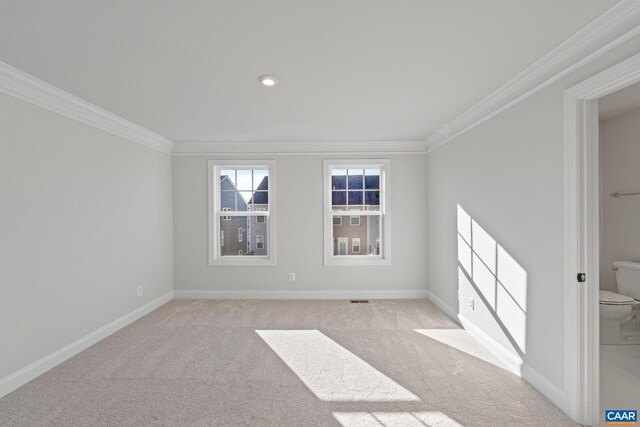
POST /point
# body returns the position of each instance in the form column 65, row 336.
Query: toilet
column 620, row 312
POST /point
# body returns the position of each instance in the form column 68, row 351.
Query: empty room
column 319, row 213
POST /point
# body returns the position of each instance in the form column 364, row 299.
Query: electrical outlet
column 140, row 291
column 472, row 304
column 292, row 277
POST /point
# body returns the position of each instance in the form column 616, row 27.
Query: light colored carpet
column 283, row 363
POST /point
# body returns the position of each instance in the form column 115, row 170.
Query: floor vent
column 359, row 301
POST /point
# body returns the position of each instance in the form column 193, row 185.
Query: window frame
column 215, row 214
column 384, row 213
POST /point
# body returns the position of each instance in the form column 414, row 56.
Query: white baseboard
column 516, row 365
column 544, row 386
column 511, row 361
column 317, row 295
column 443, row 306
column 29, row 372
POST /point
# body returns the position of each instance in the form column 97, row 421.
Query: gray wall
column 507, row 174
column 85, row 218
column 299, row 221
column 620, row 218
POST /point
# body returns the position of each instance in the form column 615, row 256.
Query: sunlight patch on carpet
column 395, row 419
column 330, row 371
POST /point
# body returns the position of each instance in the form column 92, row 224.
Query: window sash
column 216, row 214
column 333, row 167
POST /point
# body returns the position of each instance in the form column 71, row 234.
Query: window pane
column 257, row 243
column 245, row 179
column 228, row 200
column 233, row 236
column 372, row 198
column 260, row 199
column 355, row 197
column 355, row 182
column 236, row 188
column 339, row 198
column 243, row 197
column 260, row 179
column 230, row 174
column 367, row 236
column 372, row 182
column 338, row 182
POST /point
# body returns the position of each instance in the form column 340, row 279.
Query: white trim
column 581, row 201
column 543, row 385
column 35, row 369
column 297, row 294
column 28, row 88
column 612, row 28
column 214, row 213
column 515, row 364
column 295, row 147
column 511, row 361
column 444, row 307
column 385, row 212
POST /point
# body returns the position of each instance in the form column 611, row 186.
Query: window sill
column 354, row 260
column 243, row 261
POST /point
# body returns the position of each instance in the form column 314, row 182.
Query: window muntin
column 356, row 212
column 239, row 191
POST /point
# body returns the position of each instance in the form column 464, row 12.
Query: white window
column 355, row 245
column 241, row 194
column 357, row 189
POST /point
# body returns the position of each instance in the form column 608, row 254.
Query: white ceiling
column 349, row 70
column 620, row 102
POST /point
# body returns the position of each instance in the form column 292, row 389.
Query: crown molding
column 187, row 148
column 28, row 88
column 615, row 26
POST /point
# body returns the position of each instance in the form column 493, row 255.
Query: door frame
column 581, row 237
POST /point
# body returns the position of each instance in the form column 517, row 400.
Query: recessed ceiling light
column 268, row 80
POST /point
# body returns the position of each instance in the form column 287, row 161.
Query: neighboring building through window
column 241, row 205
column 226, row 218
column 355, row 245
column 356, row 212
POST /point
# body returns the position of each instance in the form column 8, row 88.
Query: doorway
column 343, row 245
column 582, row 238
